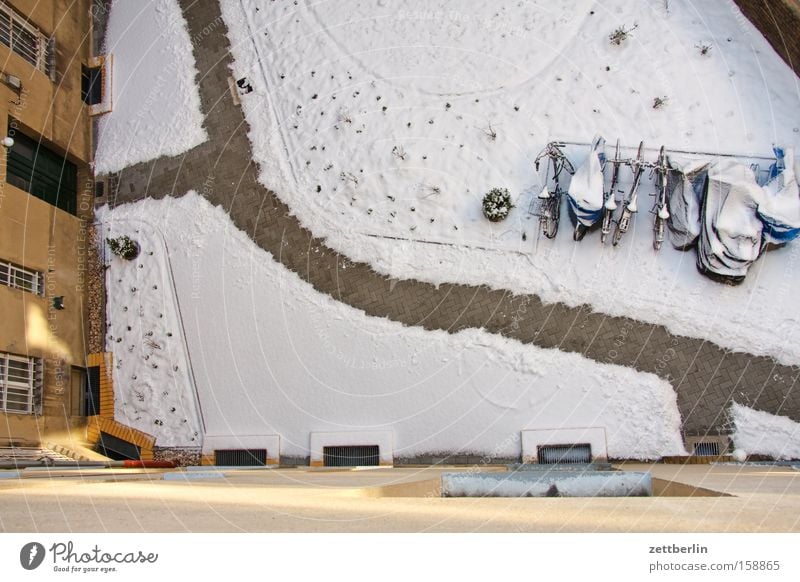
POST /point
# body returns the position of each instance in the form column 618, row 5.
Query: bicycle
column 610, row 204
column 550, row 200
column 631, row 201
column 660, row 209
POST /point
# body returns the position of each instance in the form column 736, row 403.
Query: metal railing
column 17, row 33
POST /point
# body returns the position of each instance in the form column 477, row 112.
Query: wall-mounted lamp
column 14, row 83
column 8, row 141
column 58, row 302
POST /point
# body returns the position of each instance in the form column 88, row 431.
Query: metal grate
column 706, row 449
column 555, row 454
column 18, row 277
column 351, row 456
column 25, row 39
column 240, row 457
column 20, row 384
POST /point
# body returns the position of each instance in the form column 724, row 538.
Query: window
column 85, row 385
column 91, row 85
column 26, row 40
column 20, row 384
column 42, row 172
column 17, row 277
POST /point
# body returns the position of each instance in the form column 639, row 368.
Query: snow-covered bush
column 497, row 204
column 621, row 34
column 124, row 247
column 660, row 102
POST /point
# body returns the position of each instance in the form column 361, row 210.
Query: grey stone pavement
column 707, row 378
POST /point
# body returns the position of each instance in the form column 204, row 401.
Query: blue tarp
column 585, row 194
column 779, row 210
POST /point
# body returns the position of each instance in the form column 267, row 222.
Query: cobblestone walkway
column 707, row 378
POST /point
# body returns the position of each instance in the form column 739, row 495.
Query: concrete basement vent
column 351, row 456
column 555, row 454
column 706, row 449
column 240, row 457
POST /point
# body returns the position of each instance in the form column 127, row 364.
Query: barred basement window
column 706, row 449
column 17, row 277
column 17, row 33
column 20, row 384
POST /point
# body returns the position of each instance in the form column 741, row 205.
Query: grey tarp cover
column 687, row 190
column 730, row 233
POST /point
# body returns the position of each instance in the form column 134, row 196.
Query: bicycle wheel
column 548, row 219
column 618, row 228
column 658, row 237
column 605, row 230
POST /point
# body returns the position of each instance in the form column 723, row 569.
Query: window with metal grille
column 42, row 172
column 555, row 454
column 240, row 457
column 351, row 456
column 22, row 37
column 20, row 384
column 17, row 277
column 709, row 449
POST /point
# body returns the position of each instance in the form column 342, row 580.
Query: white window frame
column 30, row 387
column 11, row 274
column 40, row 56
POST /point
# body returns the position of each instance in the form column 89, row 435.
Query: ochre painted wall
column 39, row 236
column 53, row 110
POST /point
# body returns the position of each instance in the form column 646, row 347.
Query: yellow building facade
column 46, row 198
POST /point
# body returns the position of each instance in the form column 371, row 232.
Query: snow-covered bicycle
column 550, row 199
column 661, row 169
column 610, row 204
column 631, row 206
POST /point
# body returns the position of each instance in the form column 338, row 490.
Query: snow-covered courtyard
column 274, row 357
column 156, row 101
column 382, row 125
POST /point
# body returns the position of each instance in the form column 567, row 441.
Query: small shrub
column 124, row 247
column 704, row 48
column 497, row 204
column 659, row 102
column 621, row 34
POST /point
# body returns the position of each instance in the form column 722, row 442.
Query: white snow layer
column 758, row 432
column 273, row 356
column 153, row 389
column 531, row 484
column 383, row 128
column 156, row 103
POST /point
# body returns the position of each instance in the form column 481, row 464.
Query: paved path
column 707, row 378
